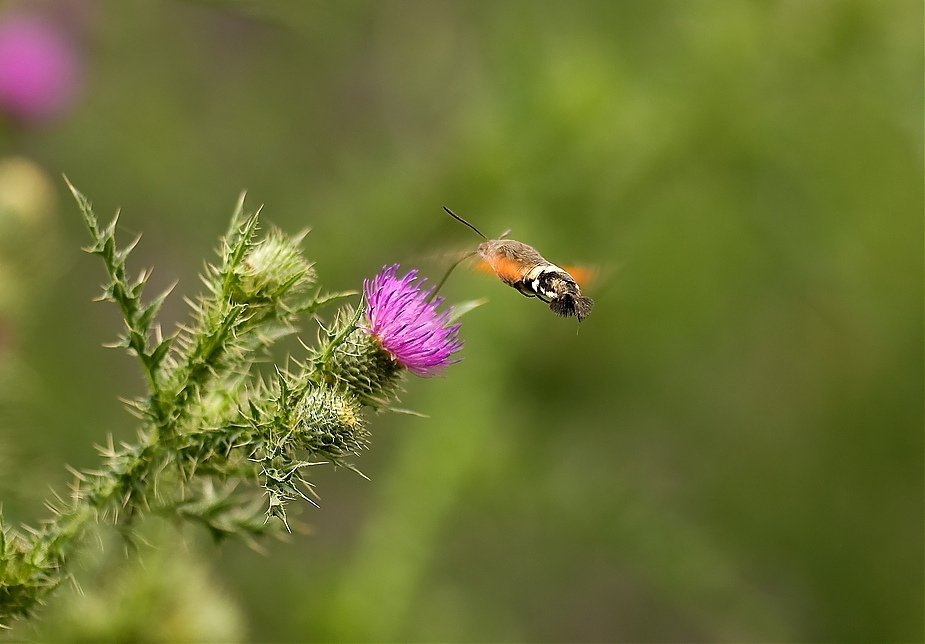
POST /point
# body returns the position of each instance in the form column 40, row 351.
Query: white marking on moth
column 535, row 272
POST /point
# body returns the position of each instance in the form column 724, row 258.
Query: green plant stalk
column 209, row 423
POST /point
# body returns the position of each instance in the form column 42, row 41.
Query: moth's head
column 490, row 248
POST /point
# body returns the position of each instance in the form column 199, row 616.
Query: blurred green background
column 730, row 450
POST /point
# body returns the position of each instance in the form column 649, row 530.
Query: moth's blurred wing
column 585, row 276
column 506, row 269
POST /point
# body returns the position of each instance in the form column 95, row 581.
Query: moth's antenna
column 446, row 275
column 461, row 220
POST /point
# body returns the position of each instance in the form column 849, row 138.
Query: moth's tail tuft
column 583, row 307
column 572, row 304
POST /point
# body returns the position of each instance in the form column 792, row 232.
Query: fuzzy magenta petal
column 407, row 324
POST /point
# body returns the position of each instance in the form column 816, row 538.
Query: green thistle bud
column 362, row 366
column 331, row 423
column 272, row 269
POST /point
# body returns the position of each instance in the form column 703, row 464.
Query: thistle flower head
column 405, row 322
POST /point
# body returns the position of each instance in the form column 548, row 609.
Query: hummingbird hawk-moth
column 520, row 266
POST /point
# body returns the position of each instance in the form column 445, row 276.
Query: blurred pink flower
column 38, row 69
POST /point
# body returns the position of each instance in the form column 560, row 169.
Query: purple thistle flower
column 407, row 324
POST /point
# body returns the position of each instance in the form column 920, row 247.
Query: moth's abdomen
column 556, row 287
column 547, row 281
